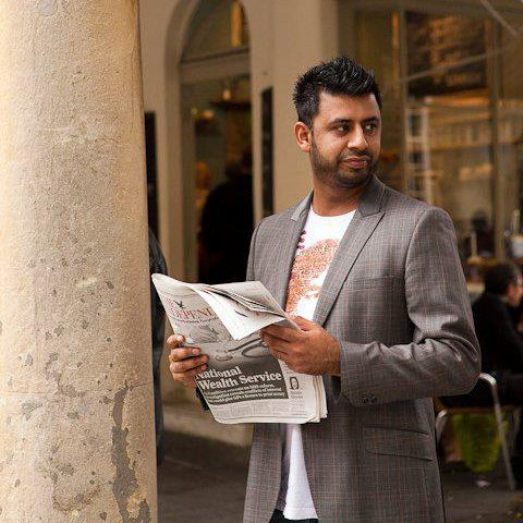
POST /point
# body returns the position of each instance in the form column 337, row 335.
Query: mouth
column 356, row 162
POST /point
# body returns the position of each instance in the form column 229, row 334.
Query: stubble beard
column 331, row 173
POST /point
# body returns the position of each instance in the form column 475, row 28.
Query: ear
column 303, row 136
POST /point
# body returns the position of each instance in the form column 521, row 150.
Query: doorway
column 217, row 167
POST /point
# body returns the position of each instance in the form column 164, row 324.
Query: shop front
column 219, row 77
column 453, row 111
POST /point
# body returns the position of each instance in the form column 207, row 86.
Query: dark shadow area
column 201, row 481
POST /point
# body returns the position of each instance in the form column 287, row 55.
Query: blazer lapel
column 286, row 250
column 365, row 221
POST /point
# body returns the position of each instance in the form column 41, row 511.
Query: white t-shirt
column 317, row 246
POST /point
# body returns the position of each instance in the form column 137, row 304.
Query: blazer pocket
column 398, row 442
column 385, row 282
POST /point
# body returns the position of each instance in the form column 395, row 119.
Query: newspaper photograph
column 243, row 383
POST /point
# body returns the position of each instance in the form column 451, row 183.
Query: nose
column 357, row 139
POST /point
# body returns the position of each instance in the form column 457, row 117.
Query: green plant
column 478, row 439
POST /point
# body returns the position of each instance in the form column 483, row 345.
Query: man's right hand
column 186, row 362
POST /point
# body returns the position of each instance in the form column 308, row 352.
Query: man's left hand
column 311, row 350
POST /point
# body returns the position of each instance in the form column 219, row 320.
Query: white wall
column 305, row 33
column 259, row 18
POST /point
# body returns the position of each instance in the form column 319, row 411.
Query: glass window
column 510, row 134
column 449, row 124
column 452, row 85
column 377, row 48
column 445, row 54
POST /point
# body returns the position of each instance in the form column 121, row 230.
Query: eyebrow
column 339, row 121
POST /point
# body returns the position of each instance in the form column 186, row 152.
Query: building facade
column 218, row 77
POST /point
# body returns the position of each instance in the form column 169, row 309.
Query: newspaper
column 243, row 382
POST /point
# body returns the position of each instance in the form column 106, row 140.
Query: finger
column 282, row 333
column 187, row 365
column 279, row 355
column 194, row 372
column 190, row 373
column 176, row 340
column 181, row 354
column 304, row 324
column 276, row 343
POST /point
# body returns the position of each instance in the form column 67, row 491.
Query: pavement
column 203, row 481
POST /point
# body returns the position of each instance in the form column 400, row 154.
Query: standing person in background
column 157, row 265
column 376, row 280
column 226, row 226
column 203, row 187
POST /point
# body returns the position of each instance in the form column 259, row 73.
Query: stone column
column 76, row 411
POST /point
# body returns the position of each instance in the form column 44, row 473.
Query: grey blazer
column 395, row 298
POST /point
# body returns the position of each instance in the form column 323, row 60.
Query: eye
column 342, row 128
column 370, row 127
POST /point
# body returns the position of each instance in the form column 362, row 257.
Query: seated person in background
column 501, row 346
column 516, row 315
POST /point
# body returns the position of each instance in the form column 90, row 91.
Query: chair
column 445, row 412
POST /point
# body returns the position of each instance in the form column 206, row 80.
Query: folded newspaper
column 243, row 382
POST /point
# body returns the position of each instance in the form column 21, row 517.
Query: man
column 501, row 345
column 227, row 224
column 379, row 276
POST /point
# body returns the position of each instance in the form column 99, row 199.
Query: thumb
column 303, row 324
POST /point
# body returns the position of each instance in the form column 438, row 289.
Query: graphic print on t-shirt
column 309, row 265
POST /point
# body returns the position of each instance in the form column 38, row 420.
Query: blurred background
column 218, row 77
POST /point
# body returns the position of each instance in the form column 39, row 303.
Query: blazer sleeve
column 443, row 358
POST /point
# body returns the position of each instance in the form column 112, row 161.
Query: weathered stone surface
column 76, row 409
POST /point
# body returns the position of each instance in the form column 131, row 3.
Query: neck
column 335, row 200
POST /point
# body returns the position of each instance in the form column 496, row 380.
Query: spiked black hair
column 340, row 76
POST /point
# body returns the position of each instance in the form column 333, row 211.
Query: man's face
column 515, row 292
column 345, row 140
